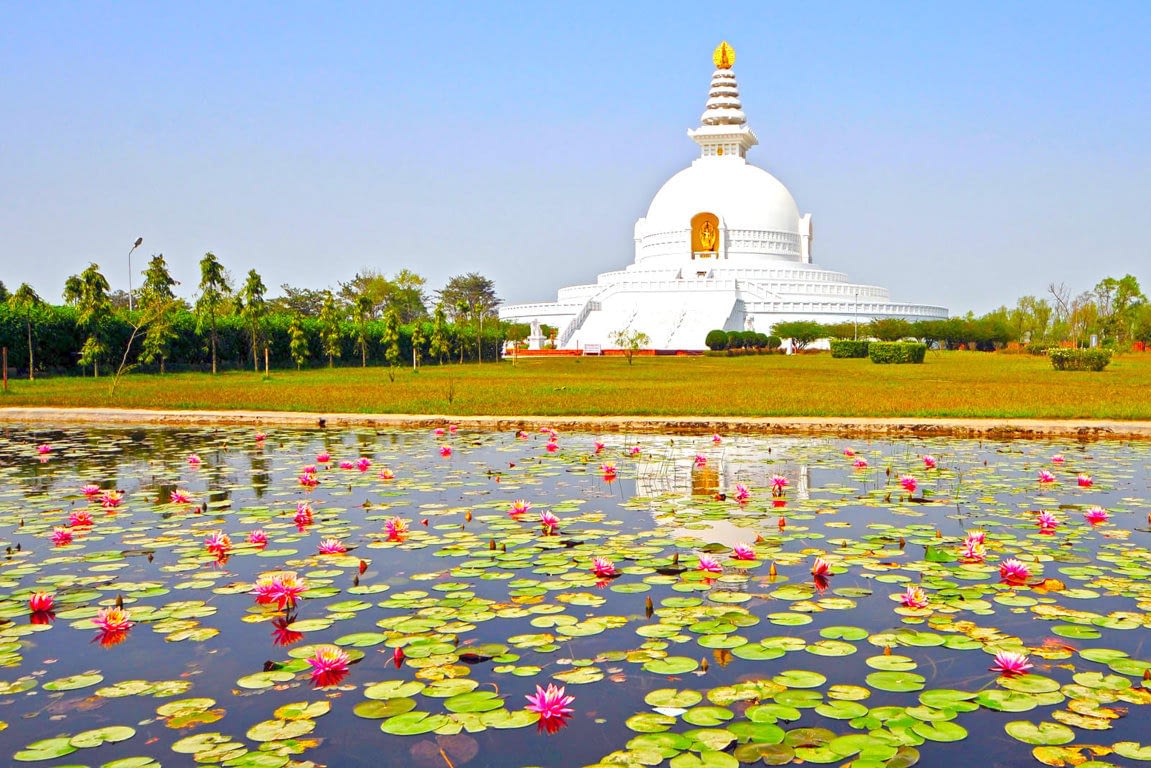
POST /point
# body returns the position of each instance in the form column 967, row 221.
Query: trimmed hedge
column 1079, row 359
column 896, row 351
column 716, row 339
column 848, row 348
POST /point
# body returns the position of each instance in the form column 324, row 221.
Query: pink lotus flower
column 909, row 483
column 521, row 435
column 309, row 479
column 848, row 452
column 608, row 470
column 708, row 564
column 778, row 484
column 551, row 433
column 439, row 432
column 346, row 464
column 41, row 602
column 1046, row 477
column 323, row 457
column 61, row 537
column 112, row 620
column 860, row 463
column 634, row 450
column 363, row 463
column 1057, row 458
column 329, row 665
column 284, row 589
column 603, row 568
column 716, row 439
column 261, row 437
column 1096, row 515
column 700, row 460
column 111, row 499
column 741, row 493
column 743, row 552
column 194, row 460
column 1013, row 571
column 599, row 446
column 332, row 547
column 303, row 514
column 179, row 497
column 387, row 474
column 820, row 568
column 1010, row 663
column 552, row 447
column 550, row 704
column 914, row 597
column 929, row 462
column 445, row 450
column 218, row 543
column 452, row 428
column 973, row 551
column 978, row 535
column 396, row 528
column 519, row 507
column 258, row 538
column 90, row 490
column 43, row 449
column 1085, row 481
column 1046, row 520
column 549, row 521
column 80, row 518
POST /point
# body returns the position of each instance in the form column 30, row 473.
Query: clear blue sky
column 961, row 154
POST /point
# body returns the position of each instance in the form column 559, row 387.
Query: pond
column 363, row 598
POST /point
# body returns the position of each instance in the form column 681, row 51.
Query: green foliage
column 298, row 343
column 843, row 348
column 214, row 294
column 1079, row 359
column 330, row 334
column 889, row 329
column 471, row 296
column 773, row 343
column 391, row 339
column 88, row 292
column 630, row 341
column 716, row 339
column 1039, row 348
column 253, row 309
column 896, row 351
column 801, row 332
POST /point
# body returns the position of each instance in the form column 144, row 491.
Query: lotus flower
column 820, row 568
column 1085, row 480
column 550, row 704
column 1096, row 515
column 346, row 464
column 80, row 518
column 90, row 490
column 1046, row 477
column 914, row 597
column 521, row 435
column 1046, row 520
column 303, row 514
column 634, row 451
column 909, row 483
column 741, row 494
column 551, row 433
column 452, row 428
column 716, row 439
column 329, row 665
column 848, row 452
column 284, row 589
column 608, row 470
column 61, row 537
column 323, row 457
column 398, row 657
column 363, row 463
column 258, row 538
column 112, row 620
column 43, row 449
column 1013, row 571
column 860, row 463
column 778, row 484
column 387, row 474
column 603, row 568
column 549, row 521
column 179, row 497
column 519, row 507
column 700, row 460
column 974, row 549
column 41, row 602
column 218, row 543
column 194, row 460
column 1057, row 458
column 978, row 535
column 599, row 446
column 111, row 499
column 1010, row 663
column 261, row 437
column 308, row 479
column 445, row 450
column 439, row 432
column 332, row 547
column 929, row 462
column 396, row 527
column 708, row 564
column 743, row 552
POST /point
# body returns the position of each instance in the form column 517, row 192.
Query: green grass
column 955, row 384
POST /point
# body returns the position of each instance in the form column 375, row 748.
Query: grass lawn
column 956, row 384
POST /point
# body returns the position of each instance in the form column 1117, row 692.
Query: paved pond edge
column 686, row 425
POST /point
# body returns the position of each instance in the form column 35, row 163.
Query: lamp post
column 137, row 244
column 856, row 314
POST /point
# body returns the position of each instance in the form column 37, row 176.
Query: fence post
column 5, row 364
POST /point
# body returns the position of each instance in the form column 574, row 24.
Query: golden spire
column 724, row 56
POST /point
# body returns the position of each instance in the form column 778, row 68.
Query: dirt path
column 798, row 425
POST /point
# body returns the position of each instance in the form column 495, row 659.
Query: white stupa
column 723, row 245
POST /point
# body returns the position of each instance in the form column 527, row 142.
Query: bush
column 774, row 343
column 1079, row 359
column 716, row 340
column 896, row 352
column 1040, row 347
column 848, row 348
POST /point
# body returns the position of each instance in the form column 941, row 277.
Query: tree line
column 371, row 319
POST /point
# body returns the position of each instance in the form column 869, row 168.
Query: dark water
column 455, row 573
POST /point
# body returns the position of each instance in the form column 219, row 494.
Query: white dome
column 742, row 195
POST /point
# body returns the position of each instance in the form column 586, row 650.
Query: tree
column 630, row 342
column 391, row 341
column 363, row 310
column 4, row 295
column 214, row 294
column 889, row 328
column 298, row 346
column 1030, row 319
column 468, row 295
column 1118, row 303
column 801, row 332
column 25, row 300
column 330, row 328
column 253, row 309
column 159, row 305
column 438, row 344
column 305, row 302
column 88, row 292
column 404, row 293
column 417, row 346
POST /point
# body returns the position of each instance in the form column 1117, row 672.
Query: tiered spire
column 723, row 127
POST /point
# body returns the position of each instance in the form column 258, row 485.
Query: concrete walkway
column 794, row 425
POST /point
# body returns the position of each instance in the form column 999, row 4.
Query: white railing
column 591, row 305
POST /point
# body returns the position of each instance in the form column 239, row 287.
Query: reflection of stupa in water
column 678, row 474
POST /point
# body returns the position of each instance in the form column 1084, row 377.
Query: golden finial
column 724, row 56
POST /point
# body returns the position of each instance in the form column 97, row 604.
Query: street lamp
column 137, row 244
column 856, row 314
